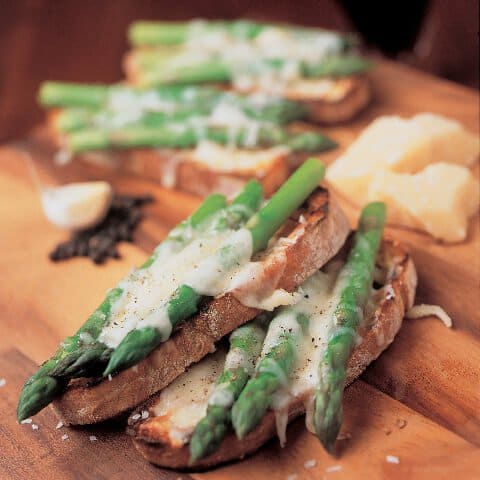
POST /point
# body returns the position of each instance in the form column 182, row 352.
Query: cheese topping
column 227, row 159
column 185, row 400
column 320, row 298
column 145, row 290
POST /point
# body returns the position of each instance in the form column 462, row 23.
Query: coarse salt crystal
column 34, row 426
column 93, row 438
column 136, row 417
column 392, row 459
column 3, row 382
column 390, row 292
column 109, row 377
column 145, row 414
column 333, row 468
column 27, row 420
column 59, row 425
column 65, row 436
column 310, row 463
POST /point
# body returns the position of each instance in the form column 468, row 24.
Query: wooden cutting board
column 420, row 402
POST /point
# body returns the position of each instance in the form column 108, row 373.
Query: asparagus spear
column 272, row 371
column 187, row 136
column 338, row 66
column 42, row 387
column 245, row 346
column 138, row 343
column 151, row 71
column 357, row 275
column 175, row 33
column 96, row 96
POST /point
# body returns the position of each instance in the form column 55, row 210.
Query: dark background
column 85, row 40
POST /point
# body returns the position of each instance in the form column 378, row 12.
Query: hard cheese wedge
column 401, row 145
column 439, row 199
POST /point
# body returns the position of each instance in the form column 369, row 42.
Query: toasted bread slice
column 340, row 103
column 384, row 319
column 328, row 101
column 185, row 170
column 306, row 242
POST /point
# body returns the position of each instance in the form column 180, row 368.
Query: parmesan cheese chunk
column 440, row 199
column 404, row 146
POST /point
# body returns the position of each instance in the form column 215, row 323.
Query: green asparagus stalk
column 176, row 33
column 43, row 387
column 138, row 343
column 338, row 66
column 151, row 34
column 245, row 346
column 272, row 371
column 55, row 94
column 357, row 275
column 169, row 70
column 188, row 135
column 97, row 96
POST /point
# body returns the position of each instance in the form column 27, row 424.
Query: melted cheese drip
column 185, row 400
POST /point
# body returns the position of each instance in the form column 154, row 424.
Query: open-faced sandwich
column 198, row 139
column 247, row 315
column 319, row 68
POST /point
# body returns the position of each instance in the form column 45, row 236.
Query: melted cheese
column 439, row 200
column 145, row 290
column 185, row 400
column 226, row 159
column 401, row 145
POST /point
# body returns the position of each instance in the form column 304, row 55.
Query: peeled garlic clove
column 77, row 206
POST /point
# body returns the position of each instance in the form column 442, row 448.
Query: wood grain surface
column 419, row 402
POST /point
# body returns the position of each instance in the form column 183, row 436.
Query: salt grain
column 390, row 292
column 34, row 426
column 59, row 425
column 93, row 438
column 3, row 382
column 334, row 468
column 136, row 417
column 310, row 463
column 65, row 436
column 145, row 414
column 109, row 377
column 401, row 423
column 27, row 420
column 392, row 459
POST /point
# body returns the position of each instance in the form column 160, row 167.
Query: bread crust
column 331, row 111
column 385, row 321
column 310, row 243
